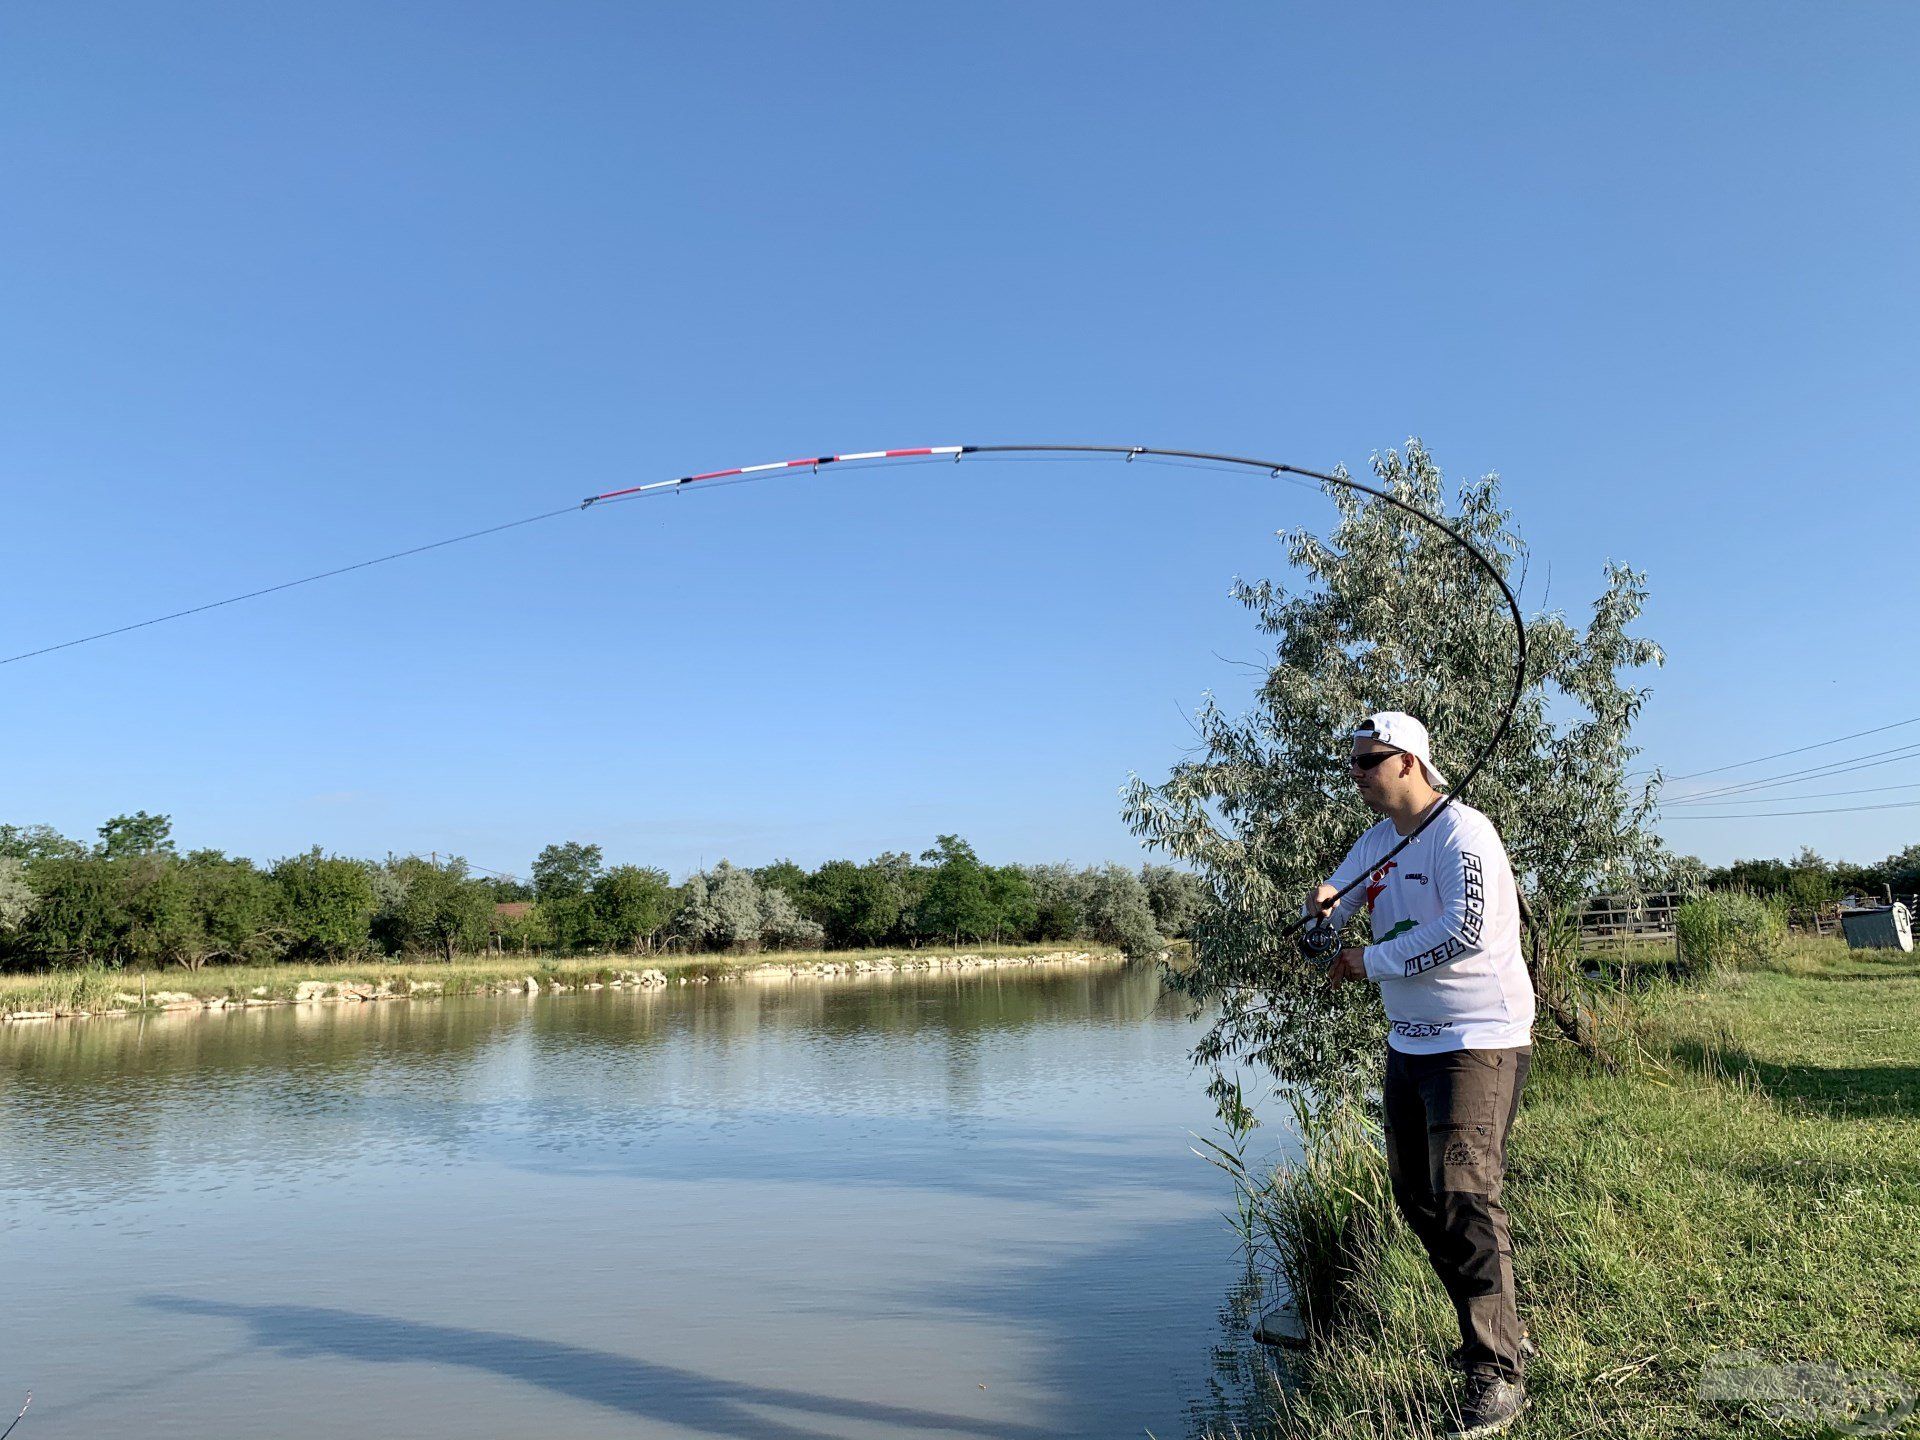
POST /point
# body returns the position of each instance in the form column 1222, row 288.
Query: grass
column 1722, row 1240
column 94, row 990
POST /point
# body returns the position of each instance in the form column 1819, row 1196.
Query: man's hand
column 1349, row 964
column 1322, row 901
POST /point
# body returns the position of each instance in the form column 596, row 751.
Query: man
column 1446, row 956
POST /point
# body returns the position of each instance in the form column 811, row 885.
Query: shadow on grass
column 685, row 1399
column 1840, row 1090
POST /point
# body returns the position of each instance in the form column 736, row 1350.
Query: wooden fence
column 1622, row 919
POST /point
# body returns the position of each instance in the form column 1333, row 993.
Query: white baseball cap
column 1403, row 733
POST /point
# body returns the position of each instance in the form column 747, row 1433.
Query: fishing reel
column 1319, row 943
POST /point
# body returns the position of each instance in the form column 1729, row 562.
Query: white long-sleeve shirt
column 1446, row 934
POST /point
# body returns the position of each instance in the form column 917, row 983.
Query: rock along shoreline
column 354, row 991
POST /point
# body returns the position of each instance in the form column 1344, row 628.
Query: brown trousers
column 1447, row 1120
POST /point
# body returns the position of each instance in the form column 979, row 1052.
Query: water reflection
column 1238, row 1393
column 898, row 1205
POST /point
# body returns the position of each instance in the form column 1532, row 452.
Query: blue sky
column 287, row 287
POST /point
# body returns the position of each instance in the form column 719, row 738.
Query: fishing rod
column 1320, row 940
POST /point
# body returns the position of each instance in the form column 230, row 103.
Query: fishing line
column 288, row 585
column 814, row 464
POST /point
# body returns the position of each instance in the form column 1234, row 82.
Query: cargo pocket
column 1462, row 1160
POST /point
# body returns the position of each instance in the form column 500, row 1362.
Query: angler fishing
column 1437, row 883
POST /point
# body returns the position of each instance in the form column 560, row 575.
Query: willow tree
column 1393, row 615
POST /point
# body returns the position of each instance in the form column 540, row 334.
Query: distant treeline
column 1808, row 881
column 131, row 899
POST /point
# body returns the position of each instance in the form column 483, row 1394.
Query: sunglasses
column 1372, row 762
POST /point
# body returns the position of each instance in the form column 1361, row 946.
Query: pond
column 960, row 1204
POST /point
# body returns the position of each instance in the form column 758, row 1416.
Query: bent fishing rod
column 1319, row 941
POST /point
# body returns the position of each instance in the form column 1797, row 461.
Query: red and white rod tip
column 810, row 462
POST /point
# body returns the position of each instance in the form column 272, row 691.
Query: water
column 897, row 1206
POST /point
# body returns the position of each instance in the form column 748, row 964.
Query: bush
column 1727, row 929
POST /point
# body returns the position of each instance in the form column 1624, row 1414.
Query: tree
column 631, row 906
column 720, row 909
column 1901, row 870
column 1118, row 912
column 855, row 905
column 390, row 882
column 136, row 834
column 1810, row 881
column 568, row 921
column 1177, row 897
column 561, row 871
column 36, row 842
column 783, row 927
column 785, row 876
column 234, row 908
column 1667, row 872
column 1394, row 615
column 328, row 902
column 1010, row 903
column 1060, row 895
column 505, row 889
column 1762, row 877
column 524, row 932
column 79, row 914
column 957, row 902
column 16, row 895
column 442, row 907
column 189, row 912
column 906, row 886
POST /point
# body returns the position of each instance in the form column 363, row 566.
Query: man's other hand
column 1322, row 901
column 1349, row 964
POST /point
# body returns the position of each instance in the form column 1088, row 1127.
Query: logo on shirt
column 1377, row 882
column 1415, row 875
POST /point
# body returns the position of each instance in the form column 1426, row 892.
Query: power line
column 1770, row 814
column 434, row 859
column 1811, row 795
column 1797, row 750
column 1812, row 772
column 498, row 874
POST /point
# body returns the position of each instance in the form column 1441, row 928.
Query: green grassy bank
column 1721, row 1240
column 103, row 992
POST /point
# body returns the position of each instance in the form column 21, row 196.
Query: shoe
column 1455, row 1360
column 1490, row 1405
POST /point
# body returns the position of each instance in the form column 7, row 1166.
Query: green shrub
column 1727, row 930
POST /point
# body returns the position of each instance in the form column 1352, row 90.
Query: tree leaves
column 1392, row 615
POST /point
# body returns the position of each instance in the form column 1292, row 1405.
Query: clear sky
column 289, row 286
